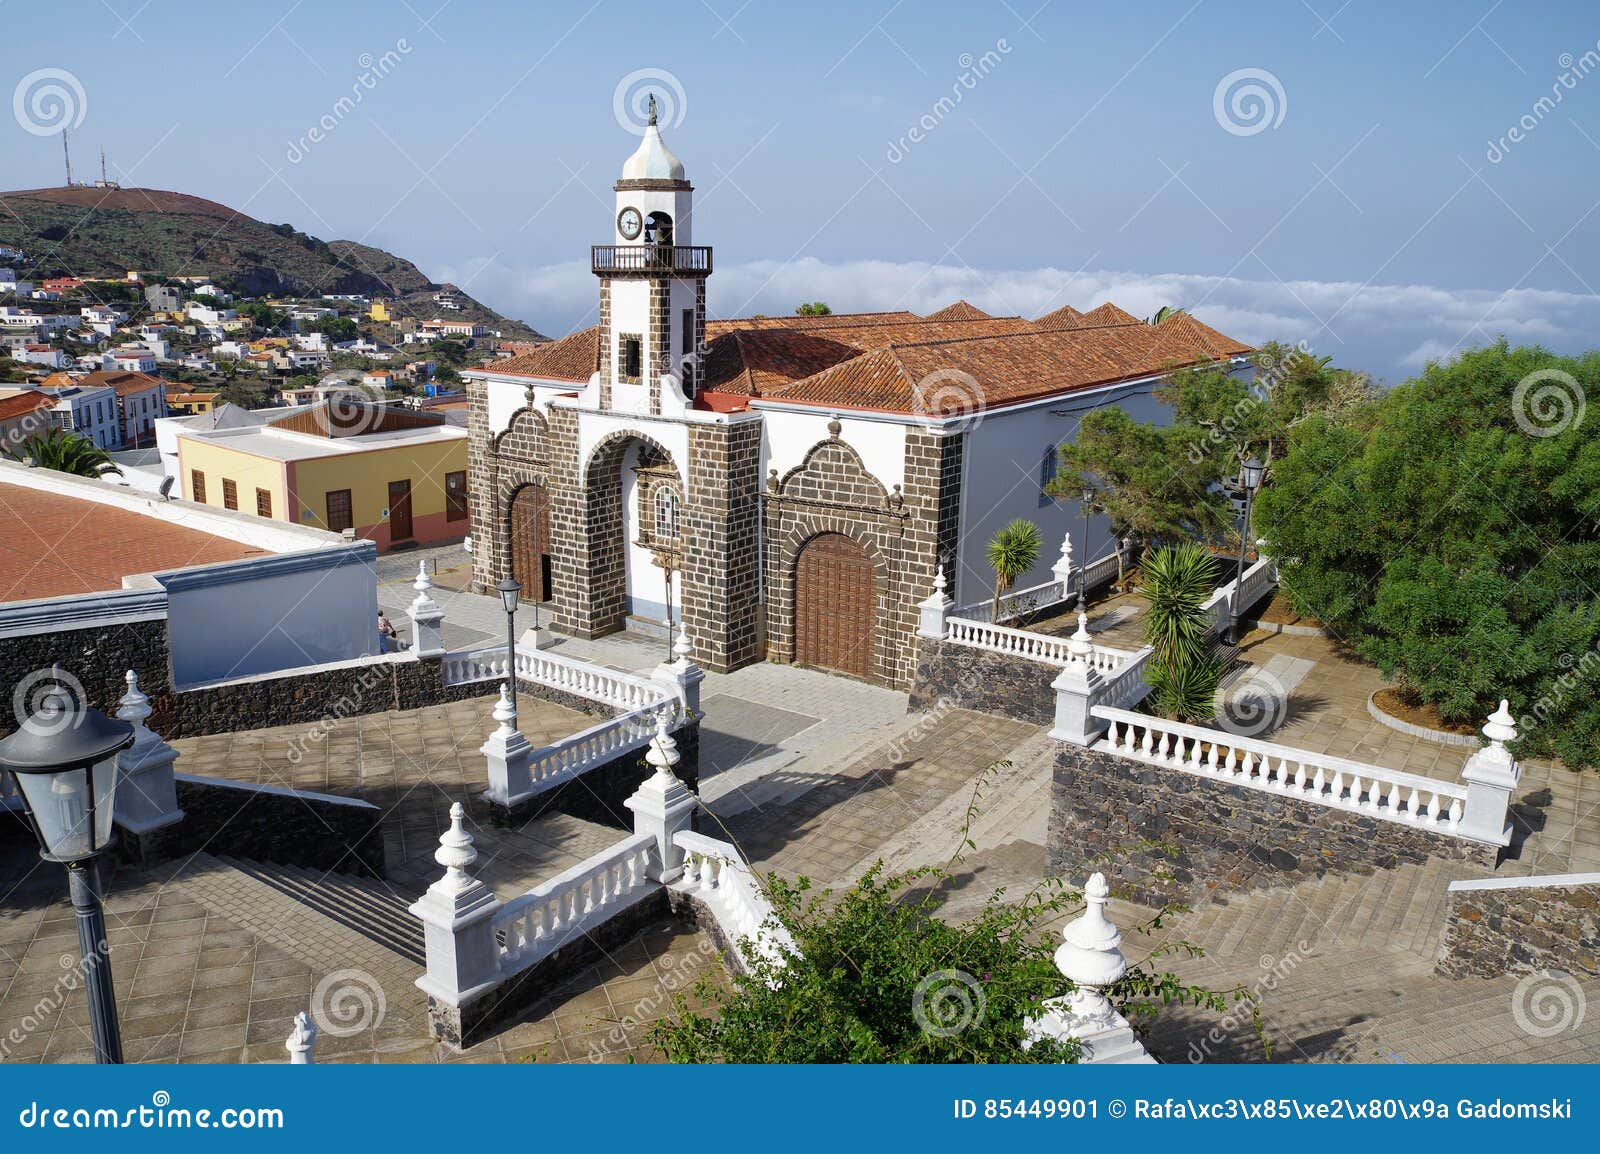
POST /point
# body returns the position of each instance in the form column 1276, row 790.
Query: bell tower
column 652, row 286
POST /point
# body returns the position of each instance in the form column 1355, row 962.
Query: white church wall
column 790, row 435
column 1008, row 457
column 673, row 436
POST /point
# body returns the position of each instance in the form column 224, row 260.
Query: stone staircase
column 1400, row 910
column 376, row 910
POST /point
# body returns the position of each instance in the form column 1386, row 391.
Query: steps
column 1400, row 910
column 377, row 911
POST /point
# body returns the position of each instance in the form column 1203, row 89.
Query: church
column 784, row 488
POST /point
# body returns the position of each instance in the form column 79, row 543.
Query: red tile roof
column 24, row 403
column 123, row 383
column 572, row 358
column 1065, row 317
column 960, row 311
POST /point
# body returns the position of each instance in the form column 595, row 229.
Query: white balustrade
column 533, row 926
column 1035, row 597
column 1370, row 790
column 715, row 872
column 1258, row 578
column 580, row 678
column 1042, row 647
column 571, row 756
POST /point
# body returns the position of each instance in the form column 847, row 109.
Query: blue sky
column 1088, row 161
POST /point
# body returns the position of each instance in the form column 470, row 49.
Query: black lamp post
column 510, row 590
column 64, row 761
column 1249, row 480
column 1083, row 566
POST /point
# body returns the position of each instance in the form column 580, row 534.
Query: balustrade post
column 933, row 611
column 1090, row 957
column 1492, row 776
column 662, row 806
column 507, row 753
column 147, row 788
column 682, row 677
column 1062, row 570
column 457, row 914
column 302, row 1043
column 1078, row 687
column 426, row 617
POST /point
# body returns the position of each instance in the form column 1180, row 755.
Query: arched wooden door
column 530, row 541
column 836, row 605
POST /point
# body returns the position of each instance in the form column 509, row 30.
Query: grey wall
column 1521, row 928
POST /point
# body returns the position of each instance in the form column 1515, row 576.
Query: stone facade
column 976, row 679
column 721, row 575
column 1522, row 928
column 1162, row 835
column 98, row 657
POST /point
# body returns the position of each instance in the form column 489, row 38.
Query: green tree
column 875, row 967
column 263, row 316
column 66, row 453
column 1012, row 551
column 1450, row 532
column 814, row 309
column 1163, row 313
column 336, row 329
column 1183, row 671
column 1147, row 479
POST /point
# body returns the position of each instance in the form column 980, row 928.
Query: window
column 197, row 486
column 339, row 510
column 455, row 496
column 666, row 514
column 630, row 355
column 263, row 503
column 687, row 340
column 230, row 493
column 1047, row 473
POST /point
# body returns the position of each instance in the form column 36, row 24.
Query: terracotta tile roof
column 1110, row 314
column 123, row 383
column 572, row 358
column 1003, row 368
column 832, row 320
column 1065, row 317
column 960, row 311
column 23, row 404
column 52, row 545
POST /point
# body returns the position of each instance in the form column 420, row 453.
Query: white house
column 210, row 290
column 206, row 315
column 130, row 360
column 47, row 355
column 90, row 411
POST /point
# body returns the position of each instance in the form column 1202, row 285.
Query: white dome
column 652, row 160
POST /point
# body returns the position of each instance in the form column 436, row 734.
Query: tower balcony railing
column 651, row 258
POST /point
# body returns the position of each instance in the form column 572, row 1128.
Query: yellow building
column 187, row 403
column 379, row 311
column 395, row 476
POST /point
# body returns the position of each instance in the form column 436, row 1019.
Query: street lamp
column 510, row 590
column 1083, row 566
column 1250, row 480
column 63, row 759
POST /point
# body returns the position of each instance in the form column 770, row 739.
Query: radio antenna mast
column 66, row 152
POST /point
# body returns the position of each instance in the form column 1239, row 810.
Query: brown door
column 530, row 541
column 399, row 511
column 836, row 606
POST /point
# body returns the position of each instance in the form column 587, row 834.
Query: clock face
column 629, row 222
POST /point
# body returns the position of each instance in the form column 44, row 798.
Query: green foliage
column 814, row 309
column 450, row 352
column 336, row 328
column 66, row 453
column 1452, row 535
column 263, row 315
column 1183, row 672
column 1146, row 480
column 1164, row 312
column 1011, row 552
column 875, row 957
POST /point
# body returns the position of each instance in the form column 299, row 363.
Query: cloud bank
column 1389, row 330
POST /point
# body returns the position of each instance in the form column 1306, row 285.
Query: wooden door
column 836, row 606
column 399, row 511
column 530, row 541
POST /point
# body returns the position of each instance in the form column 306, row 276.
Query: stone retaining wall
column 1163, row 835
column 1523, row 928
column 99, row 657
column 983, row 681
column 265, row 823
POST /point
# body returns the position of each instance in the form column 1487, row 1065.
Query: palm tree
column 1012, row 552
column 1163, row 313
column 1183, row 672
column 66, row 453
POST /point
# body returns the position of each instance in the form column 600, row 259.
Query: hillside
column 85, row 231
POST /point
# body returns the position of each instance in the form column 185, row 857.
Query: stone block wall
column 721, row 545
column 1162, row 835
column 98, row 657
column 987, row 682
column 1523, row 928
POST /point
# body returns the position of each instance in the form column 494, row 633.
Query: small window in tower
column 630, row 357
column 686, row 341
column 666, row 514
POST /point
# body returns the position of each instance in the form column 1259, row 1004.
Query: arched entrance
column 529, row 517
column 628, row 534
column 836, row 605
